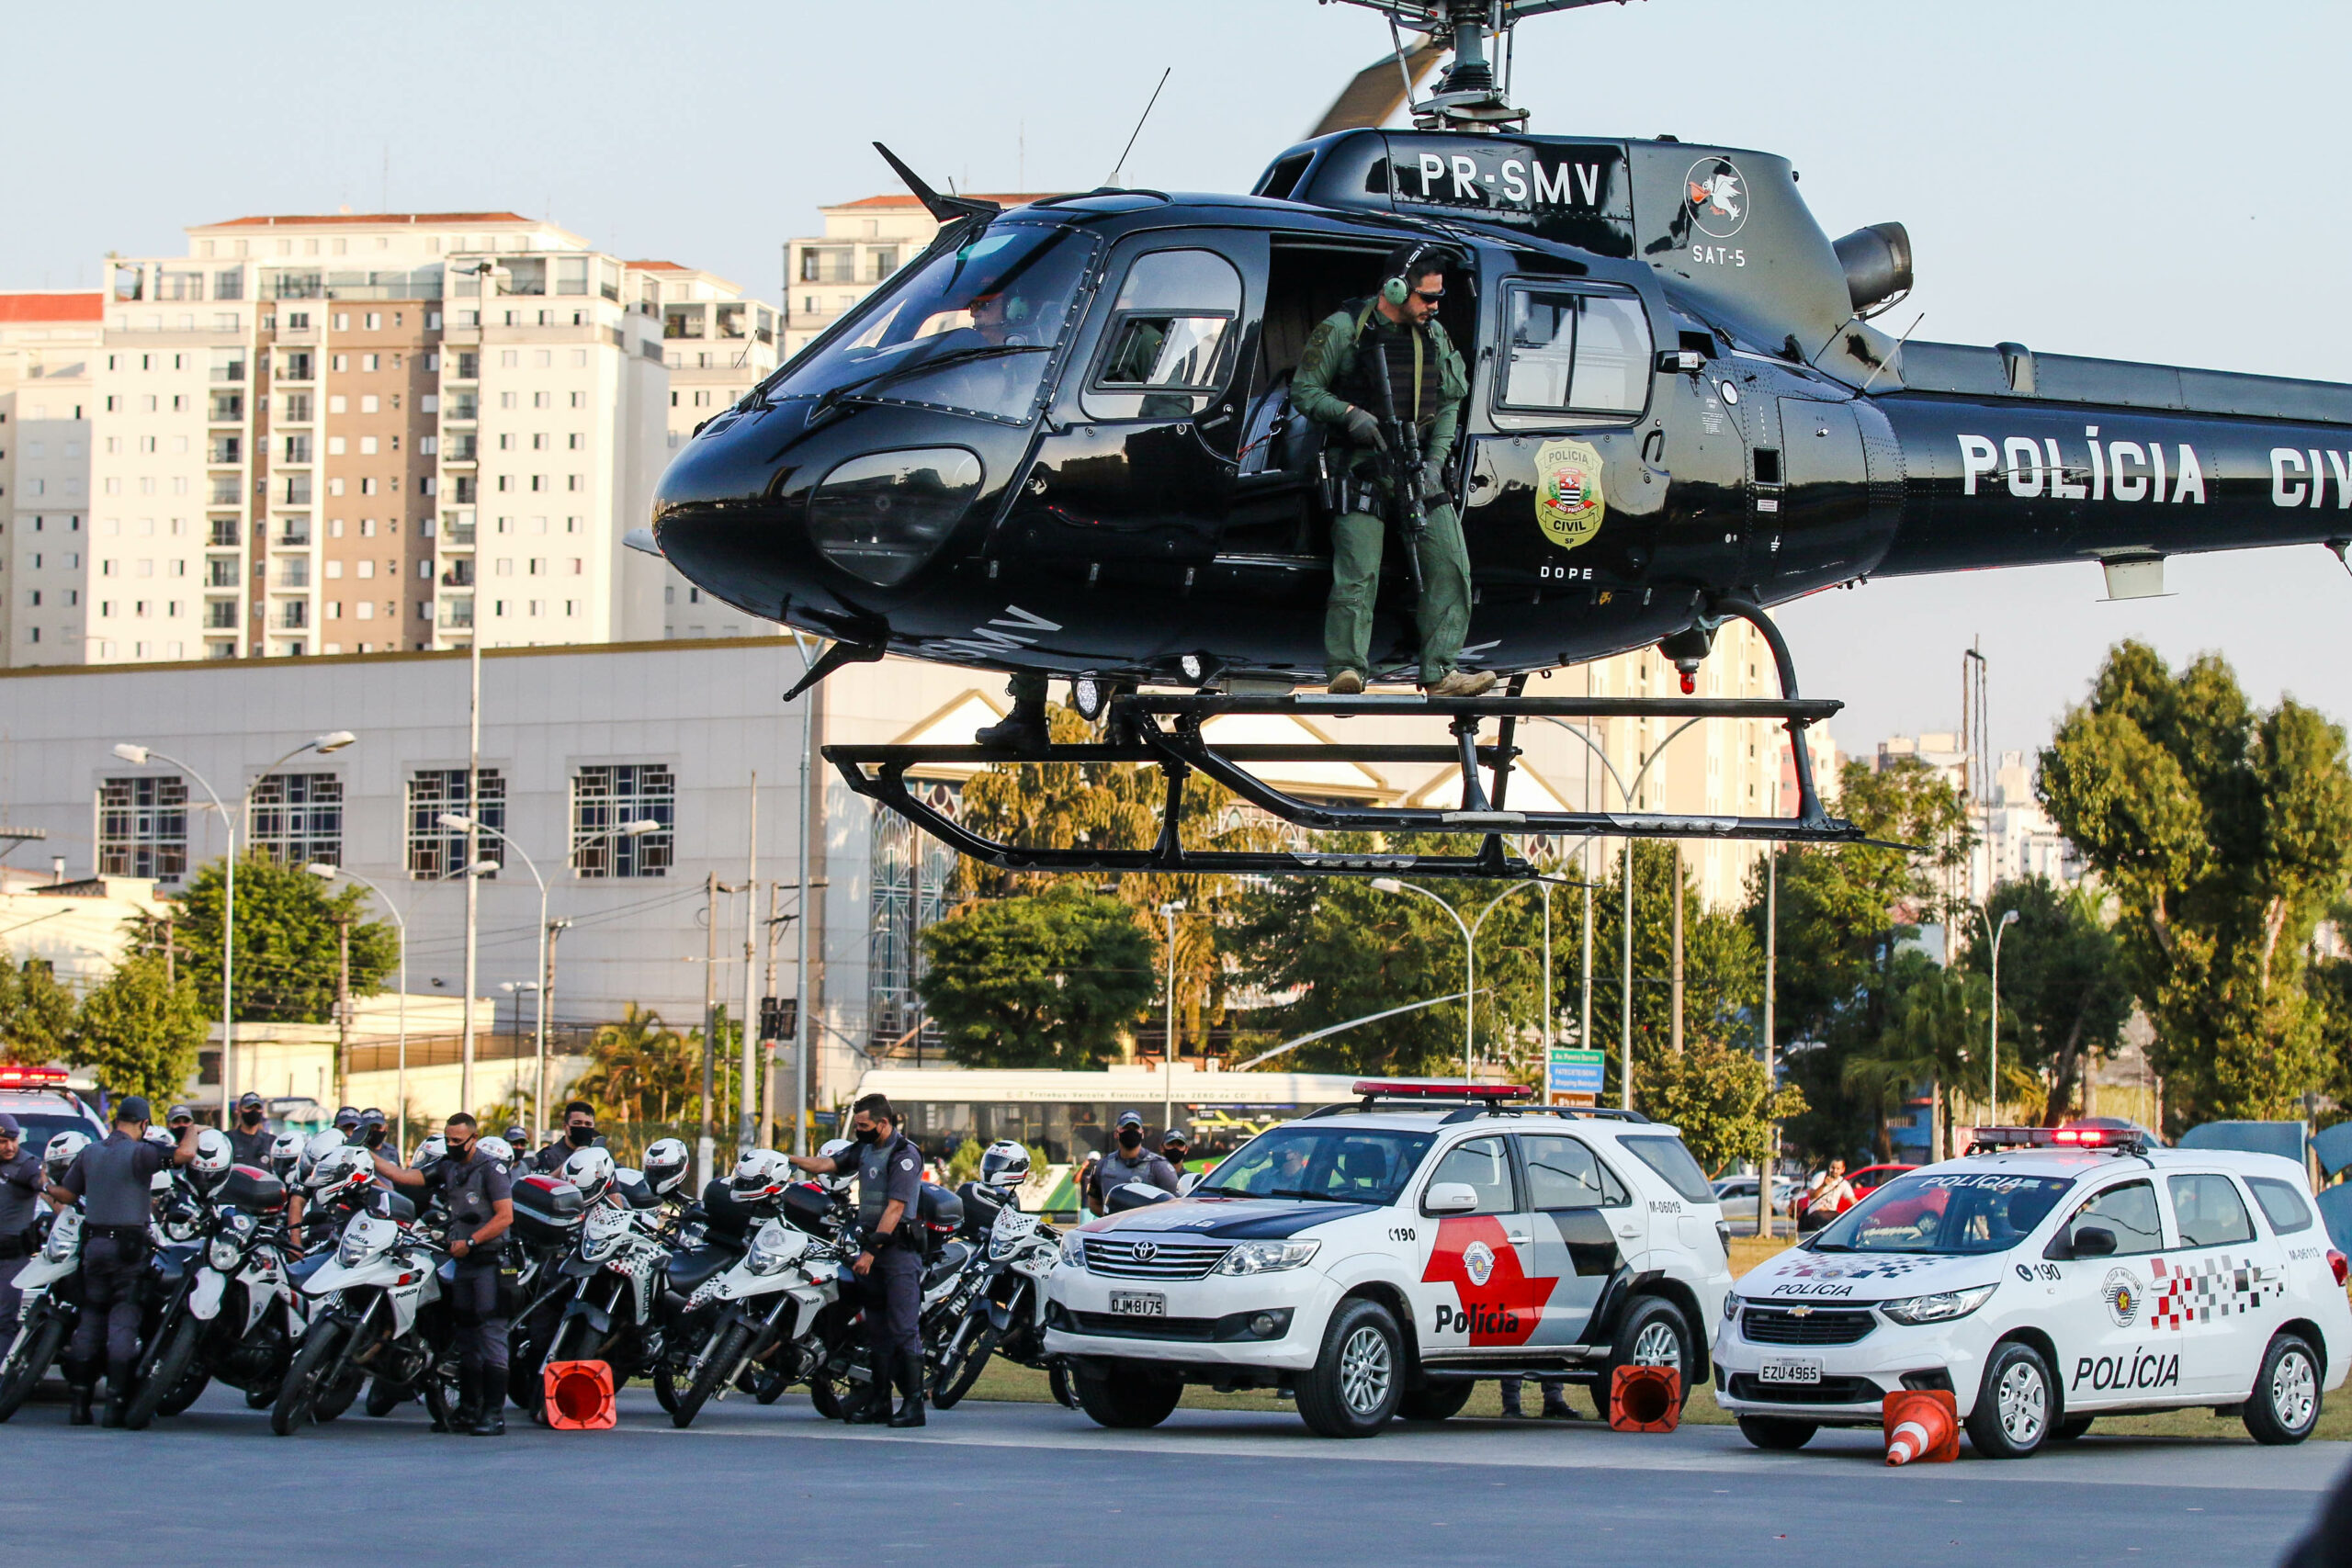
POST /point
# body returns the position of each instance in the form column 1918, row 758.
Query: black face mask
column 579, row 1137
column 1131, row 1137
column 460, row 1151
column 373, row 1137
column 251, row 1118
column 867, row 1135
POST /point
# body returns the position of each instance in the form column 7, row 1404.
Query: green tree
column 140, row 1031
column 2225, row 834
column 641, row 1070
column 286, row 941
column 36, row 1012
column 1722, row 969
column 1042, row 980
column 1715, row 1094
column 2064, row 993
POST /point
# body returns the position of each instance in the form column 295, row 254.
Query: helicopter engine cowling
column 1877, row 260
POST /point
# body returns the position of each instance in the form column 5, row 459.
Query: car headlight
column 881, row 516
column 1942, row 1307
column 1731, row 1305
column 1074, row 1250
column 1266, row 1257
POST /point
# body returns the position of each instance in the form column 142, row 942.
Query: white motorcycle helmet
column 286, row 1155
column 498, row 1149
column 760, row 1173
column 843, row 1152
column 665, row 1163
column 1005, row 1164
column 319, row 1146
column 162, row 1139
column 214, row 1158
column 340, row 1173
column 63, row 1150
column 432, row 1151
column 593, row 1171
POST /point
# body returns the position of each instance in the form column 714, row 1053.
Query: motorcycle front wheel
column 713, row 1374
column 825, row 1397
column 165, row 1373
column 30, row 1364
column 665, row 1387
column 322, row 1348
column 961, row 1363
column 1065, row 1388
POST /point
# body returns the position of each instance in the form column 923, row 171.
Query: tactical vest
column 466, row 1184
column 114, row 1182
column 1413, row 371
column 874, row 1182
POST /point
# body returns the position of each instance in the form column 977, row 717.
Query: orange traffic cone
column 578, row 1396
column 1644, row 1399
column 1921, row 1424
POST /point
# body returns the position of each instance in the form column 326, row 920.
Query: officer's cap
column 179, row 1113
column 249, row 1101
column 1130, row 1118
column 132, row 1108
column 9, row 1126
column 346, row 1117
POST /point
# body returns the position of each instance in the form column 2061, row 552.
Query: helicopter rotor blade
column 1377, row 91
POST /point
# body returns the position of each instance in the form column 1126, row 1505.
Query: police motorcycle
column 376, row 1306
column 233, row 1312
column 954, row 1269
column 50, row 1284
column 1007, row 1316
column 613, row 1287
column 771, row 1318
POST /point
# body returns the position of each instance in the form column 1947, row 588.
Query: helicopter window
column 971, row 329
column 1166, row 342
column 1577, row 352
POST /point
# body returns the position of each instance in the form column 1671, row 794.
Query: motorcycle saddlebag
column 547, row 1209
column 253, row 1190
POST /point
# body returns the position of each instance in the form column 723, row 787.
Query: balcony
column 456, row 612
column 294, row 572
column 296, row 490
column 460, row 449
column 295, row 367
column 294, row 408
column 469, row 367
column 224, row 532
column 227, row 491
column 298, row 448
column 463, row 407
column 457, row 529
column 220, row 572
column 458, row 574
column 465, row 486
column 225, row 449
column 293, row 533
column 293, row 614
column 221, row 615
column 228, row 408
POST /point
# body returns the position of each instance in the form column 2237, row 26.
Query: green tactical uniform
column 1335, row 375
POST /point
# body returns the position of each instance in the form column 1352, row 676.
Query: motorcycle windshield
column 972, row 330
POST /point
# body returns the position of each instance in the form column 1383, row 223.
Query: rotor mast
column 1469, row 96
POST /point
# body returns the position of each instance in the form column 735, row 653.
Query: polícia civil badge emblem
column 1568, row 500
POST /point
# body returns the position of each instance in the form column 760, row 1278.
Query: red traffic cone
column 578, row 1396
column 1921, row 1425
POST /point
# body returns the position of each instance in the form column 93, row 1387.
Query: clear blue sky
column 2145, row 180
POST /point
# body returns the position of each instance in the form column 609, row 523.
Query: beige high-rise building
column 863, row 242
column 48, row 340
column 368, row 433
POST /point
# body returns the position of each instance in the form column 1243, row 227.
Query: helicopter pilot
column 1336, row 386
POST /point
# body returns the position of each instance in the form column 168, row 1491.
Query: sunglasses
column 1429, row 296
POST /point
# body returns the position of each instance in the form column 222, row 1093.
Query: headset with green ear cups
column 1400, row 284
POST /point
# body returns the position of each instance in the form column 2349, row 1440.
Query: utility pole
column 1625, row 1001
column 547, row 1010
column 1675, row 986
column 342, row 1011
column 812, row 818
column 473, row 854
column 748, row 1109
column 767, row 1039
column 171, row 954
column 707, row 1151
column 1772, row 964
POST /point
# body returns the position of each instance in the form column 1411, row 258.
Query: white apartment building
column 47, row 342
column 863, row 242
column 316, row 434
column 717, row 346
column 2015, row 837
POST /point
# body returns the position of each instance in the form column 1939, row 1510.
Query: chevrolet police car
column 2051, row 1277
column 1374, row 1259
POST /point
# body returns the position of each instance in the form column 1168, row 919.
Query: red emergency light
column 2128, row 1140
column 1439, row 1089
column 32, row 1077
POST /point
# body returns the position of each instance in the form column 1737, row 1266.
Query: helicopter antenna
column 1896, row 353
column 945, row 208
column 1130, row 147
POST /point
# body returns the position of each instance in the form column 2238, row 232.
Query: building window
column 911, row 872
column 142, row 828
column 603, row 799
column 434, row 850
column 298, row 819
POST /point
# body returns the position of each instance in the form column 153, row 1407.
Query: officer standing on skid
column 112, row 1179
column 250, row 1139
column 1393, row 333
column 889, row 1185
column 481, row 1206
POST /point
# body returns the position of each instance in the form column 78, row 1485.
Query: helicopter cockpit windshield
column 971, row 329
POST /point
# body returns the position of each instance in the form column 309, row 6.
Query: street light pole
column 1169, row 912
column 139, row 757
column 1992, row 1058
column 399, row 1080
column 473, row 848
column 1469, row 959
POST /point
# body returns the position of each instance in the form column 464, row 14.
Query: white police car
column 2053, row 1276
column 1374, row 1259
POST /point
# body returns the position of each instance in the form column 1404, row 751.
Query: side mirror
column 1136, row 1195
column 1187, row 1181
column 2094, row 1241
column 1450, row 1198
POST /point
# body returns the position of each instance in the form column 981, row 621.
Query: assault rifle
column 1401, row 464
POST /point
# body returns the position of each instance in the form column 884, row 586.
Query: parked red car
column 1865, row 1181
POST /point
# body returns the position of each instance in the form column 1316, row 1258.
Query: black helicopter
column 1060, row 441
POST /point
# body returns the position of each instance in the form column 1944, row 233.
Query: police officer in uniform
column 481, row 1197
column 250, row 1139
column 579, row 1133
column 23, row 1184
column 112, row 1179
column 1130, row 1161
column 1337, row 385
column 889, row 1184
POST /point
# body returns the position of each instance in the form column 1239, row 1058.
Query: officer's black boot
column 117, row 1392
column 78, row 1396
column 461, row 1419
column 490, row 1415
column 909, row 1414
column 1023, row 729
column 875, row 1408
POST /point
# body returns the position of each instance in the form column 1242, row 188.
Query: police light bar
column 1439, row 1089
column 32, row 1077
column 2125, row 1140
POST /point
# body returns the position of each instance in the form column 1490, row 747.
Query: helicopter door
column 1822, row 516
column 1134, row 477
column 1705, row 448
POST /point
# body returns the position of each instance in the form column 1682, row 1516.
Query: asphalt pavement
column 1039, row 1486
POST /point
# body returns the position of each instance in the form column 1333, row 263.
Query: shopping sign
column 1574, row 1072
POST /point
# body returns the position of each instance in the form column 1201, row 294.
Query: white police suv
column 2051, row 1277
column 1373, row 1259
